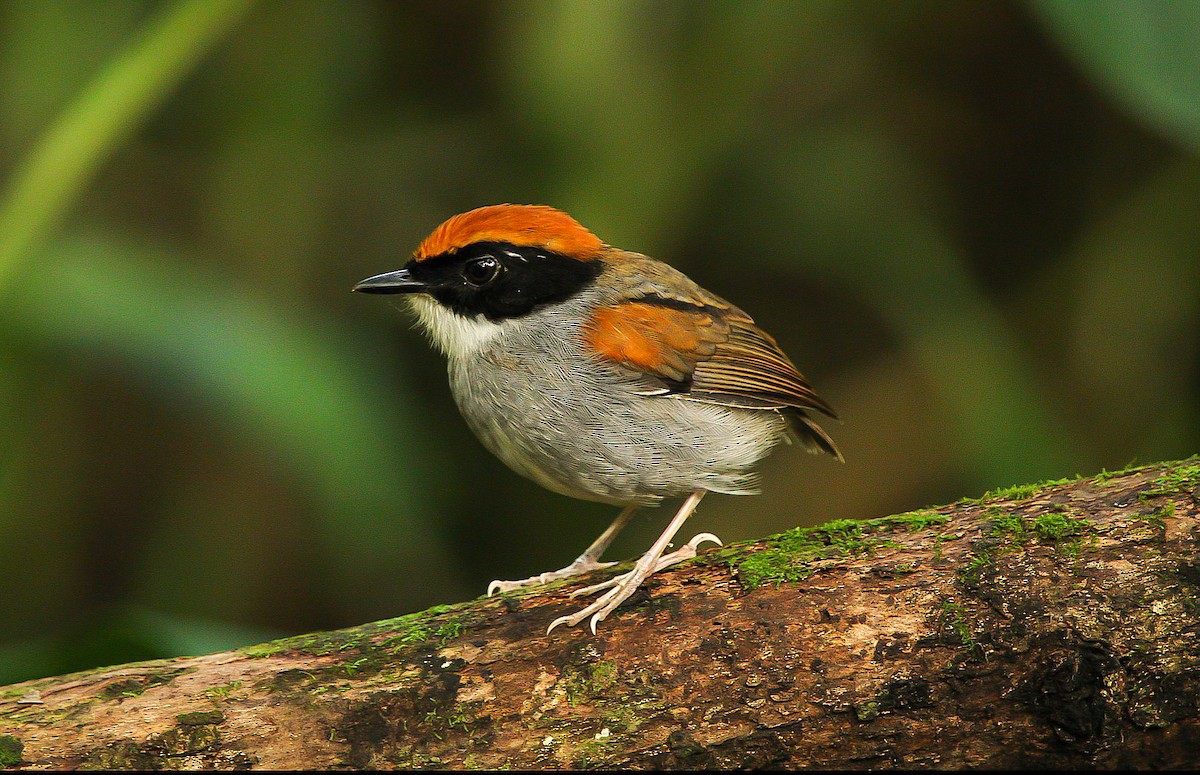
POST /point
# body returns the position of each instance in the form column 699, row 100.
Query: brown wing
column 706, row 352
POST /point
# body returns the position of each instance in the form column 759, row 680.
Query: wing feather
column 705, row 349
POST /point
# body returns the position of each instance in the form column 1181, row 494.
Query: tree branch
column 1042, row 627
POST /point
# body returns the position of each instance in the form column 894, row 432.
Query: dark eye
column 481, row 271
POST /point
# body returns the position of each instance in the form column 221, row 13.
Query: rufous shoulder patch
column 660, row 340
column 522, row 225
column 721, row 356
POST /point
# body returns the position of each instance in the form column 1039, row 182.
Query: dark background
column 974, row 226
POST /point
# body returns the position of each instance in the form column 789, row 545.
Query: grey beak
column 399, row 281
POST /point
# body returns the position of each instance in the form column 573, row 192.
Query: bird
column 601, row 374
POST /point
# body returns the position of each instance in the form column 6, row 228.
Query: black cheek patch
column 525, row 286
column 530, row 278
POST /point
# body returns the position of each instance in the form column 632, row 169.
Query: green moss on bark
column 791, row 556
column 11, row 750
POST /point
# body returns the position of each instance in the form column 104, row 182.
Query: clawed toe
column 598, row 610
column 701, row 538
column 685, row 552
column 620, row 588
column 504, row 586
column 577, row 568
column 509, row 586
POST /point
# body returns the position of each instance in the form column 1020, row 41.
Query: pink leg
column 584, row 563
column 621, row 587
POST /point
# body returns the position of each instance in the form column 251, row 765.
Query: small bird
column 601, row 374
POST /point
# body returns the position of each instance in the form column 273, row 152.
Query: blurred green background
column 974, row 226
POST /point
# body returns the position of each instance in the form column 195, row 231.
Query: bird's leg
column 624, row 585
column 584, row 563
column 685, row 552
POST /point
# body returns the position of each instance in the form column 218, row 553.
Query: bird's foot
column 580, row 566
column 620, row 588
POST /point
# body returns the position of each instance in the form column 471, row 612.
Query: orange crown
column 522, row 225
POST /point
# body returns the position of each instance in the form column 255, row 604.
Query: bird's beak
column 399, row 281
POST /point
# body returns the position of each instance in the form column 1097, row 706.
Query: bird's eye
column 481, row 271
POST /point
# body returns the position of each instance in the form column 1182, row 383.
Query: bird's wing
column 705, row 349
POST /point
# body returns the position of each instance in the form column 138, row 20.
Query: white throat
column 453, row 334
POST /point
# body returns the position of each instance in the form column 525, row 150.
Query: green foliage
column 1048, row 527
column 300, row 385
column 1010, row 532
column 1143, row 51
column 1006, row 525
column 104, row 114
column 915, row 520
column 588, row 682
column 221, row 693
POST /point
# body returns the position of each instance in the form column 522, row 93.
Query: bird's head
column 491, row 265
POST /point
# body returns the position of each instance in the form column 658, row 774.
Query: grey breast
column 584, row 428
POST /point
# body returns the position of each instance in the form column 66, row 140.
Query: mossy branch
column 1047, row 626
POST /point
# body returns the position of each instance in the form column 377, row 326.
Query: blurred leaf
column 638, row 146
column 1146, row 53
column 57, row 48
column 102, row 117
column 123, row 635
column 23, row 659
column 39, row 535
column 1135, row 279
column 169, row 635
column 306, row 389
column 267, row 188
column 866, row 218
column 11, row 437
column 8, row 430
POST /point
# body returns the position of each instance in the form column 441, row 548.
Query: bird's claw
column 579, row 567
column 601, row 608
column 685, row 552
column 623, row 586
column 701, row 538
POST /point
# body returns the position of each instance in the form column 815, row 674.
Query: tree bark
column 1049, row 626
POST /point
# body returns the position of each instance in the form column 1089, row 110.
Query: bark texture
column 1055, row 625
